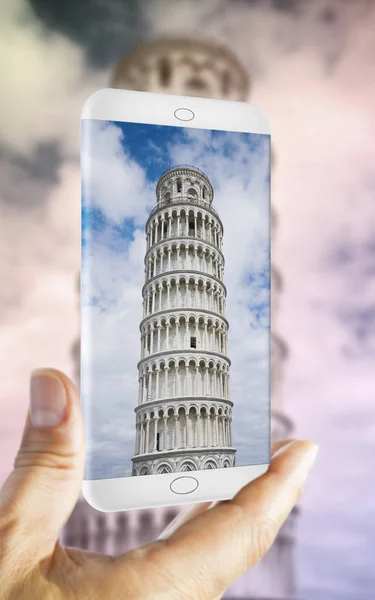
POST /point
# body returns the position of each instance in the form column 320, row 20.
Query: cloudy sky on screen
column 121, row 166
column 311, row 65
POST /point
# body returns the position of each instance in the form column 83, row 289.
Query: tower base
column 183, row 460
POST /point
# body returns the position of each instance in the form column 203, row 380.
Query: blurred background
column 310, row 65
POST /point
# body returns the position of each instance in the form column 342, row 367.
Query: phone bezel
column 126, row 493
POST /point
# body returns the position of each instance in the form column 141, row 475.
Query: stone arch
column 144, row 470
column 164, row 467
column 192, row 193
column 226, row 463
column 182, row 280
column 203, row 363
column 187, row 465
column 164, row 248
column 171, row 363
column 210, row 463
column 192, row 361
column 204, row 410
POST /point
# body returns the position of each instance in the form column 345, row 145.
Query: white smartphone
column 175, row 293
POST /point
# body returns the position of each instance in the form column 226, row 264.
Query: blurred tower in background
column 193, row 68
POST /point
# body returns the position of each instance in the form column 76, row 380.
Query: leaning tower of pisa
column 184, row 413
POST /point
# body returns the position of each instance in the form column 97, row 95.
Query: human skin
column 197, row 557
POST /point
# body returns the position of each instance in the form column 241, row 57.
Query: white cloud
column 46, row 79
column 115, row 184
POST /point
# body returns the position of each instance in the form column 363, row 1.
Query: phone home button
column 184, row 114
column 184, row 485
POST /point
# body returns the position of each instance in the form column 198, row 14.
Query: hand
column 197, row 557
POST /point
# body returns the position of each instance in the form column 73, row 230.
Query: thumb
column 40, row 493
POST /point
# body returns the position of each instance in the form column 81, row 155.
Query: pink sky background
column 316, row 82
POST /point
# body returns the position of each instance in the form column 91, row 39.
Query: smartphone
column 175, row 298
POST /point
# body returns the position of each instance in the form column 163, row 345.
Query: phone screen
column 175, row 281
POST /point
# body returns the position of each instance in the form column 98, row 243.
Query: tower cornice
column 182, row 312
column 175, row 402
column 183, row 201
column 190, row 273
column 186, row 354
column 191, row 451
column 183, row 239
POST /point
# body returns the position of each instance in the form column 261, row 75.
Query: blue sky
column 121, row 165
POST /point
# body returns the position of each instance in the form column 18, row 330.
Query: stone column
column 160, row 292
column 158, row 341
column 149, row 385
column 174, row 440
column 154, row 260
column 170, row 226
column 177, row 293
column 177, row 344
column 168, row 294
column 156, row 419
column 199, row 441
column 214, row 382
column 165, row 432
column 142, row 439
column 157, row 381
column 147, row 434
column 177, row 382
column 215, row 431
column 194, row 386
column 166, row 369
column 144, row 388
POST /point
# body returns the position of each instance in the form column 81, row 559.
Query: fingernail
column 308, row 457
column 47, row 399
column 283, row 448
